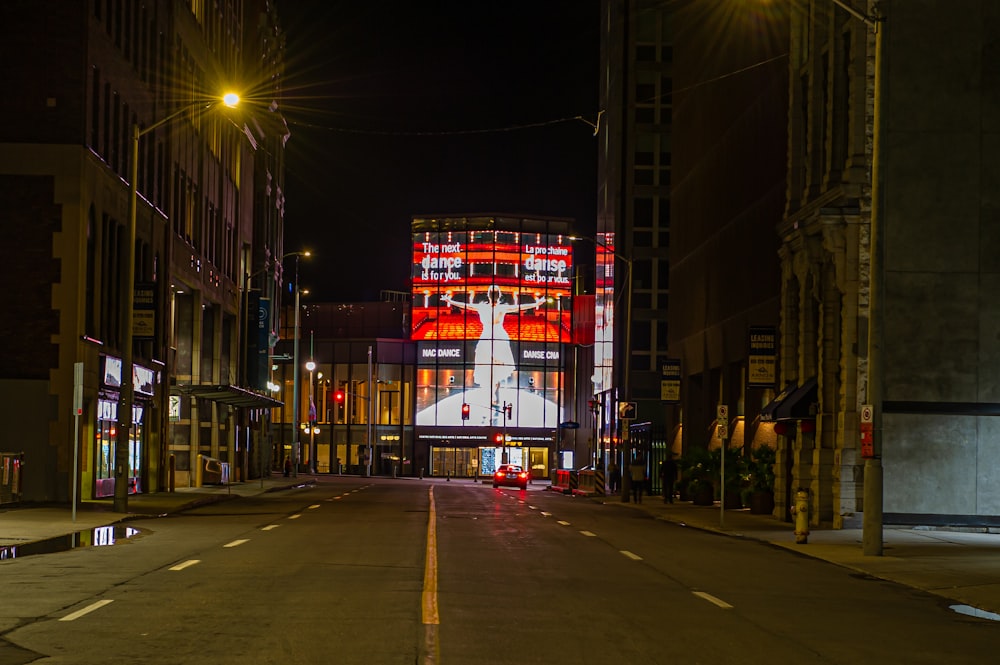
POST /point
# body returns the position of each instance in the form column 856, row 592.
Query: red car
column 510, row 475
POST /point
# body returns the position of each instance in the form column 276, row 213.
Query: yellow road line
column 429, row 600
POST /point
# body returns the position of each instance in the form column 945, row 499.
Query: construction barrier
column 10, row 477
column 586, row 482
column 561, row 481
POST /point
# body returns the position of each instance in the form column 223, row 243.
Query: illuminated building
column 65, row 164
column 491, row 320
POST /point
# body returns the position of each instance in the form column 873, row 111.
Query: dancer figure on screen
column 494, row 361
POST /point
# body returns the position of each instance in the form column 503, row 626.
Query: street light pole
column 311, row 366
column 295, row 377
column 871, row 524
column 371, row 412
column 124, row 434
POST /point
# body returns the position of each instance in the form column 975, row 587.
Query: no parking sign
column 867, row 431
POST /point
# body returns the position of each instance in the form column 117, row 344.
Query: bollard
column 801, row 512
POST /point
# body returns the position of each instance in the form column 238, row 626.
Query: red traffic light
column 465, row 411
column 498, row 437
column 338, row 396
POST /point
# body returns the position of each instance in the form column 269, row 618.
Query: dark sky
column 387, row 101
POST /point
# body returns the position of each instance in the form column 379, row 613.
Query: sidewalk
column 22, row 525
column 960, row 566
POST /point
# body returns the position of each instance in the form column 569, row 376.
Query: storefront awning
column 800, row 404
column 769, row 412
column 229, row 395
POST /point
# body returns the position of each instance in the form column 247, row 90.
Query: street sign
column 626, row 410
column 867, row 432
column 670, row 381
column 722, row 420
column 570, row 424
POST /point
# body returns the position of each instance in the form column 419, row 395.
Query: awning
column 229, row 395
column 768, row 413
column 800, row 405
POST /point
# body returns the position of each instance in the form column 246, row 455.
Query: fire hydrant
column 801, row 512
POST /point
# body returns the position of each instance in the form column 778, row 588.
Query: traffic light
column 509, row 409
column 498, row 438
column 465, row 411
column 339, row 396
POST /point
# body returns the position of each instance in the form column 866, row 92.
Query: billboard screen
column 491, row 312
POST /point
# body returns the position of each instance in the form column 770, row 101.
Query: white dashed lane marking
column 712, row 599
column 86, row 610
column 186, row 564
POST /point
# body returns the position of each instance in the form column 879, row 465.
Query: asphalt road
column 359, row 570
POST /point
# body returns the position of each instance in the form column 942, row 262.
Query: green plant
column 736, row 468
column 695, row 466
column 762, row 461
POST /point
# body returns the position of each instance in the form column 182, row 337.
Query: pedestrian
column 637, row 474
column 614, row 476
column 288, row 466
column 668, row 474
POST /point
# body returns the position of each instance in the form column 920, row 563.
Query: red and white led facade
column 491, row 315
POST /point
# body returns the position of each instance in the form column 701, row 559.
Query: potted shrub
column 736, row 475
column 762, row 480
column 695, row 484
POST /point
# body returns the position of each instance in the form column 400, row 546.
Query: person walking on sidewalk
column 668, row 474
column 614, row 477
column 637, row 474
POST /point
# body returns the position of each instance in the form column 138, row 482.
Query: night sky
column 405, row 107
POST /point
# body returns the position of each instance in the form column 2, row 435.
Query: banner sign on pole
column 762, row 359
column 670, row 380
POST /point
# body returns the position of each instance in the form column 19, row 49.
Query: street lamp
column 295, row 367
column 245, row 332
column 124, row 434
column 871, row 526
column 311, row 366
column 627, row 361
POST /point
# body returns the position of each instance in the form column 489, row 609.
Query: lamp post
column 626, row 361
column 295, row 370
column 246, row 339
column 371, row 412
column 126, row 399
column 871, row 526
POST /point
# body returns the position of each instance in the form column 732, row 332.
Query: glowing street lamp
column 123, row 439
